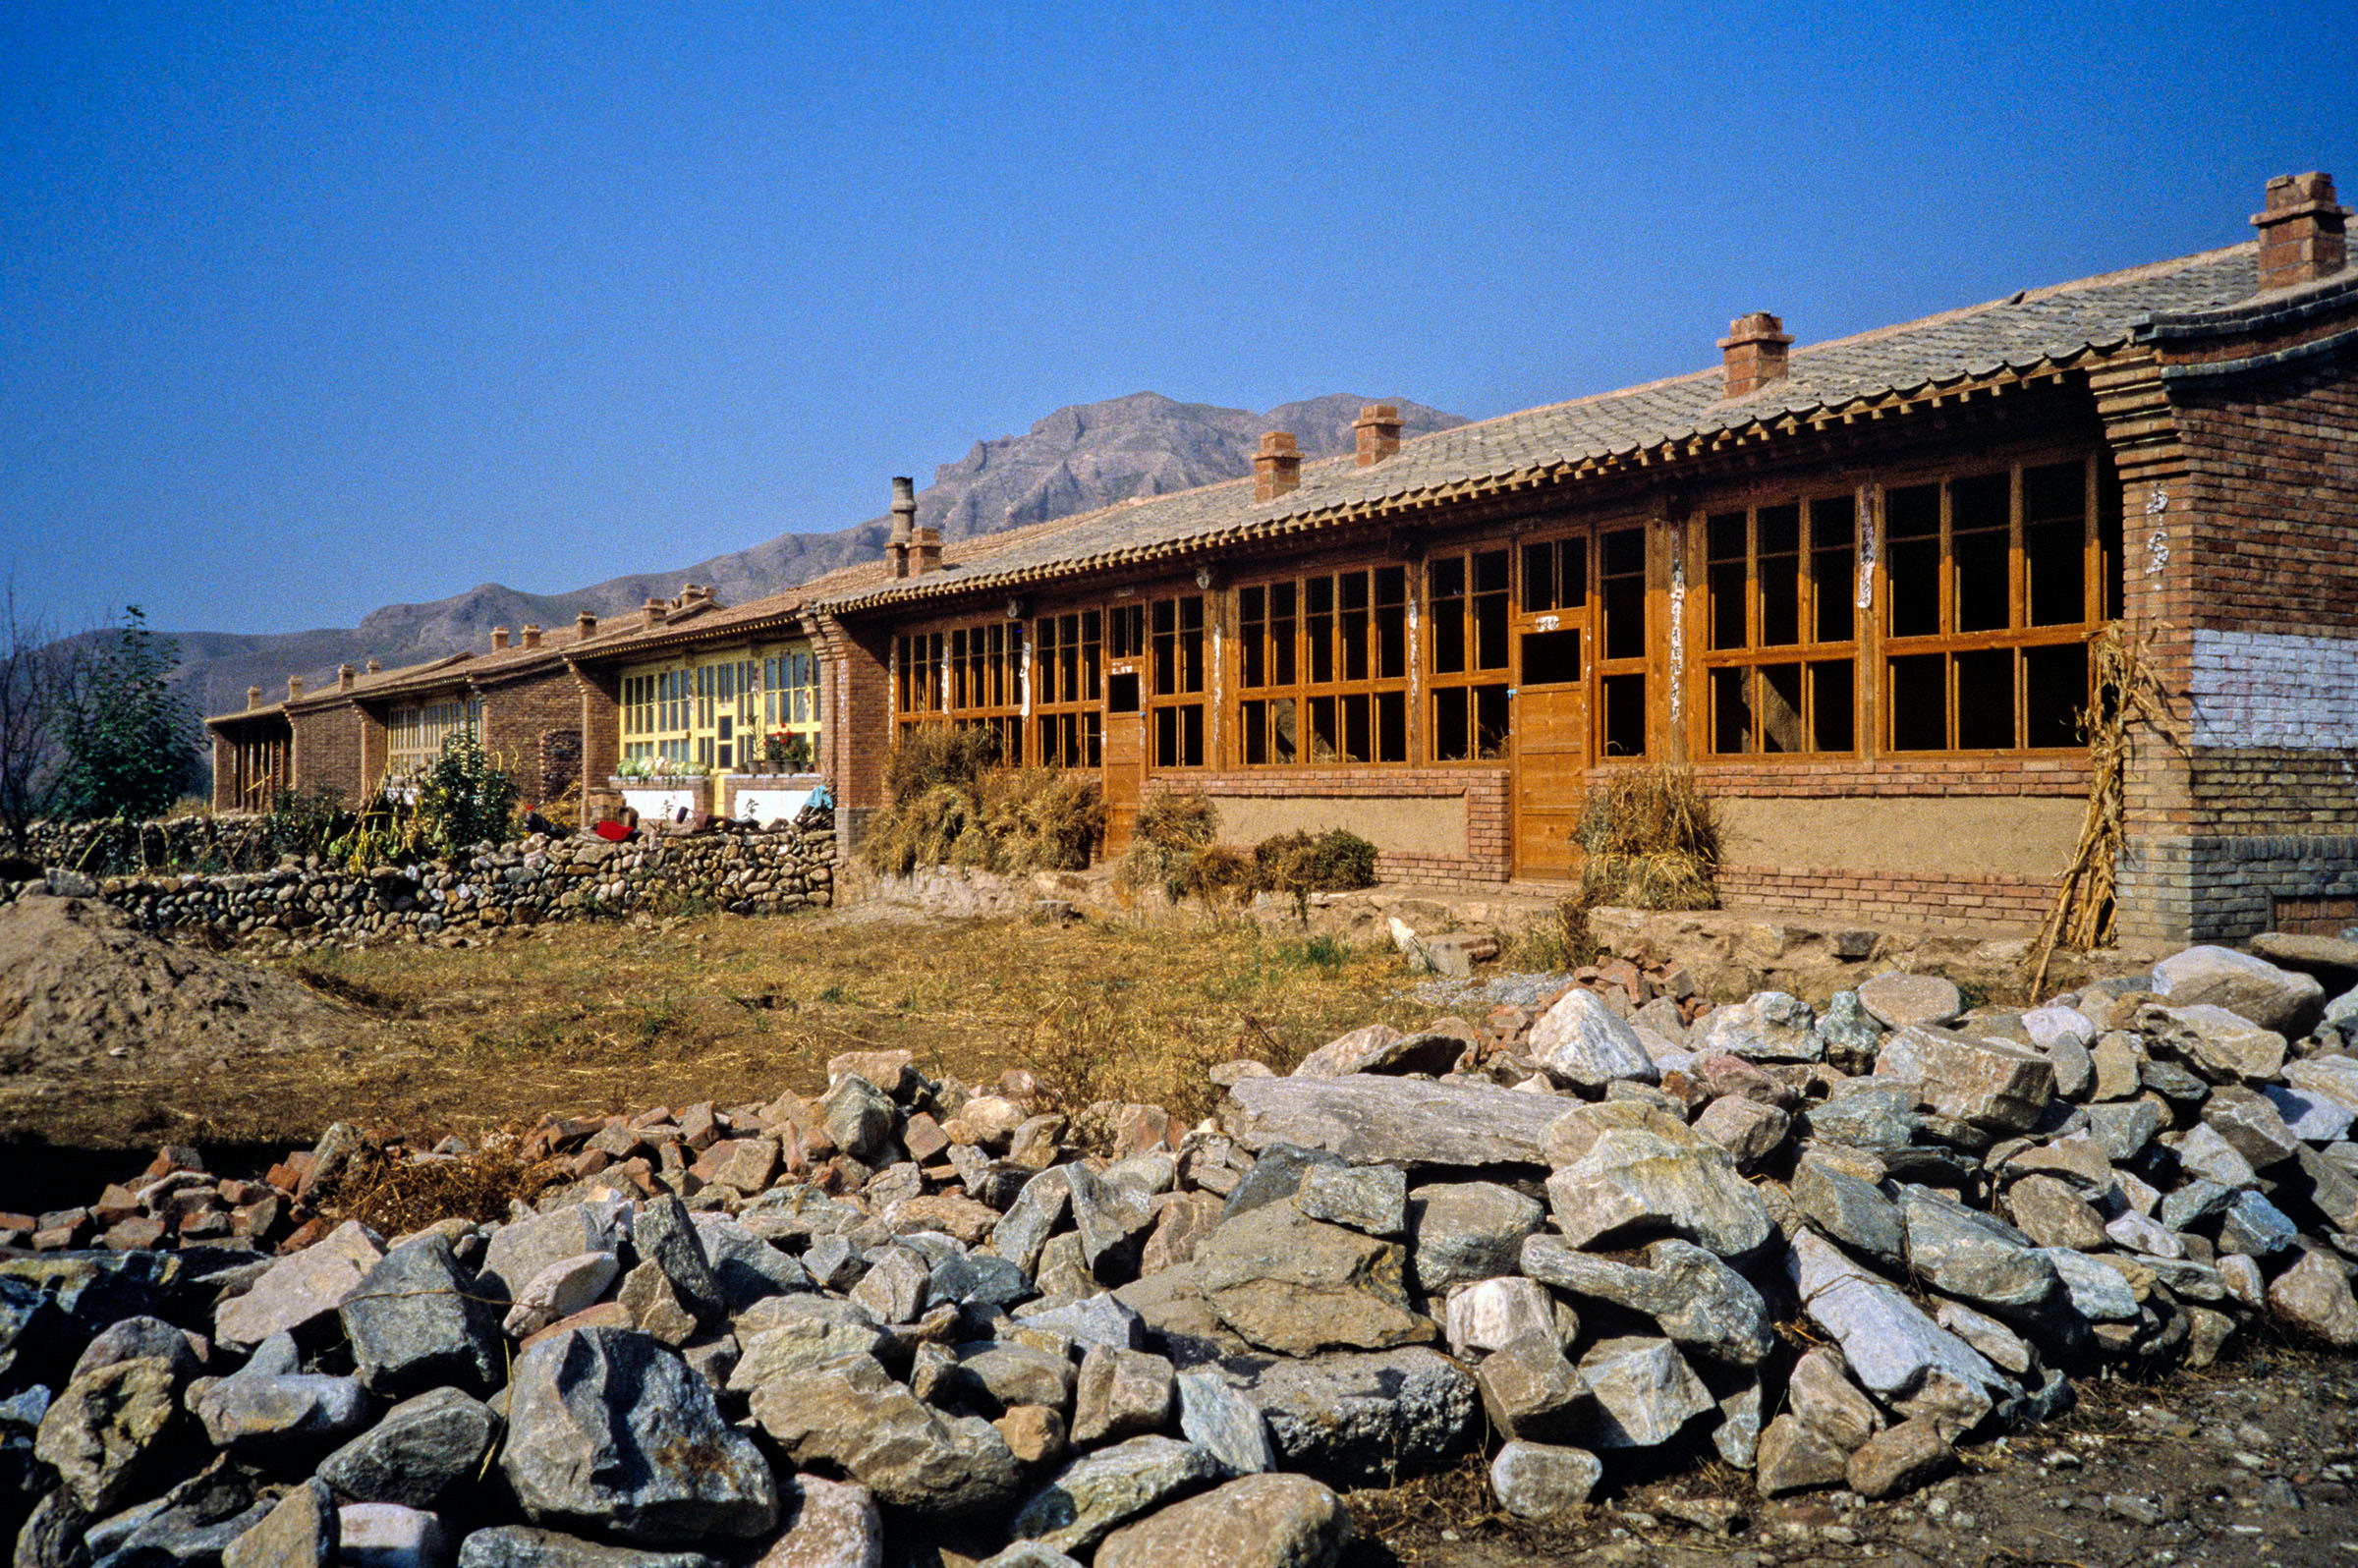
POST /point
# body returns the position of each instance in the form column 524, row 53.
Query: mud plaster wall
column 1432, row 824
column 2015, row 836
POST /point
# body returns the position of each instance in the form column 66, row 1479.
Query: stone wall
column 751, row 872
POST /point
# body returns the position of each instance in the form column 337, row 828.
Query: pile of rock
column 309, row 901
column 775, row 1333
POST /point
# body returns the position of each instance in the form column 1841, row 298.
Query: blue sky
column 308, row 307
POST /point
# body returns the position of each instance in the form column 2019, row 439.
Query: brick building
column 688, row 700
column 1853, row 583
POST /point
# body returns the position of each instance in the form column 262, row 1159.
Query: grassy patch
column 592, row 1018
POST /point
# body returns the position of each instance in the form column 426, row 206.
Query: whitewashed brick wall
column 2267, row 689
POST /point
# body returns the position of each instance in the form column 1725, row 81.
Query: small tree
column 129, row 738
column 465, row 797
column 37, row 672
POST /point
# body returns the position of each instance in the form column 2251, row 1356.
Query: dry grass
column 953, row 805
column 1651, row 840
column 593, row 1018
column 394, row 1197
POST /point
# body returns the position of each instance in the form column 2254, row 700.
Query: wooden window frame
column 1288, row 662
column 2018, row 637
column 1754, row 656
column 1068, row 689
column 1182, row 653
column 416, row 733
column 1457, row 638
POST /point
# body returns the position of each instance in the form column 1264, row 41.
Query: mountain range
column 1075, row 459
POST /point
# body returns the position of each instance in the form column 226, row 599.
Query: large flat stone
column 1371, row 1120
column 1988, row 1082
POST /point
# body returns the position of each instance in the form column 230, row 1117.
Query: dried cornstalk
column 2126, row 694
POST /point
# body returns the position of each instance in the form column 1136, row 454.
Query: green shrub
column 465, row 797
column 305, row 822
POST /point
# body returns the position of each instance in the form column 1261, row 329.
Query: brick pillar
column 2301, row 236
column 601, row 738
column 1753, row 354
column 1277, row 467
column 1377, row 434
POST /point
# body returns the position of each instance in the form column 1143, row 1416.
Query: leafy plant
column 786, row 751
column 129, row 738
column 465, row 797
column 305, row 822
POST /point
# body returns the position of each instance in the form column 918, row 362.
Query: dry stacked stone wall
column 760, row 872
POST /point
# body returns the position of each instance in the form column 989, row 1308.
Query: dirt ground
column 2249, row 1465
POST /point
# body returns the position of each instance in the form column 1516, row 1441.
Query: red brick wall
column 519, row 716
column 856, row 710
column 329, row 743
column 1993, row 903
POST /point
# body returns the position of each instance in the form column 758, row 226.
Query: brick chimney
column 499, row 638
column 1377, row 432
column 343, row 677
column 1277, row 467
column 585, row 625
column 254, row 696
column 897, row 544
column 924, row 551
column 2301, row 230
column 293, row 687
column 375, row 666
column 657, row 611
column 1753, row 352
column 531, row 634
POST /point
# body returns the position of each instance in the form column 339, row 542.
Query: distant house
column 1854, row 583
column 703, row 707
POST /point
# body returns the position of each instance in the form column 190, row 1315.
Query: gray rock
column 2205, row 1153
column 1635, row 1183
column 523, row 1546
column 1257, row 1522
column 2251, row 1125
column 849, row 1415
column 1530, row 1389
column 521, row 1249
column 2252, row 1225
column 1582, row 1043
column 2075, row 1068
column 666, row 1236
column 2278, row 999
column 261, row 1412
column 1110, row 1218
column 2052, row 1213
column 1369, row 1120
column 1296, row 1285
column 1822, row 1396
column 1224, row 1423
column 1698, row 1301
column 2327, row 1187
column 1866, row 1113
column 1963, row 1251
column 2055, row 1024
column 419, row 1454
column 143, row 1336
column 859, row 1116
column 2222, row 1046
column 1091, row 1320
column 389, row 1535
column 1382, row 1048
column 1896, row 1462
column 302, row 1532
column 2123, row 1130
column 1031, row 1553
column 2313, row 1118
column 1854, row 1212
column 1748, row 1129
column 1042, row 1205
column 654, row 1306
column 565, row 1287
column 1361, row 1418
column 747, row 1267
column 1990, row 1084
column 1645, row 1393
column 2003, row 1347
column 1765, row 1027
column 896, row 1286
column 2333, row 1076
column 2195, row 1203
column 795, row 1333
column 1098, row 1491
column 1009, row 1374
column 1542, row 1481
column 1489, row 1313
column 1795, row 1456
column 1373, row 1198
column 611, row 1431
column 1894, row 1351
column 831, row 1524
column 1737, row 1436
column 300, row 1289
column 1464, row 1231
column 104, row 1432
column 2098, row 1293
column 1121, row 1393
column 1897, row 999
column 1848, row 1035
column 192, row 1525
column 2314, row 1295
column 979, row 1279
column 416, row 1321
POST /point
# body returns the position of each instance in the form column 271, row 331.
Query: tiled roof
column 2045, row 327
column 707, row 621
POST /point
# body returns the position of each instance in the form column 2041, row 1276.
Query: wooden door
column 1551, row 704
column 1125, row 754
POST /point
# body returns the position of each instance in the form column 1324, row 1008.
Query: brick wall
column 519, row 719
column 1483, row 791
column 856, row 703
column 1992, row 902
column 2029, row 774
column 329, row 743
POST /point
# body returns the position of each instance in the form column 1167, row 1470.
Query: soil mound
column 85, row 992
